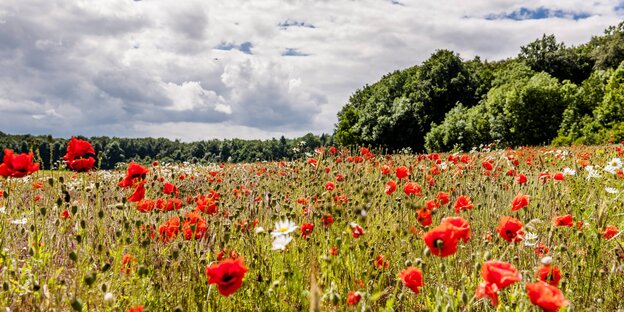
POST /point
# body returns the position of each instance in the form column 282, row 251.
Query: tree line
column 49, row 151
column 549, row 93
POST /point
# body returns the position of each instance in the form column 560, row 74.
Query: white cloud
column 127, row 68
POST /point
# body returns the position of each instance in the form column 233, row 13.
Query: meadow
column 337, row 231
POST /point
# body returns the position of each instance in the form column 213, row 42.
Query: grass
column 49, row 263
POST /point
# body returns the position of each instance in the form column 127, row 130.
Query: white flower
column 443, row 165
column 259, row 230
column 280, row 242
column 611, row 190
column 591, row 172
column 284, row 227
column 546, row 260
column 530, row 239
column 21, row 221
column 3, row 210
column 569, row 172
column 613, row 165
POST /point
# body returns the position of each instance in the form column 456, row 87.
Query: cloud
column 199, row 69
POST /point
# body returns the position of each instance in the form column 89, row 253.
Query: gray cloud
column 198, row 69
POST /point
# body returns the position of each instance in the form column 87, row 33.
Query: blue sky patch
column 293, row 23
column 538, row 13
column 244, row 47
column 293, row 52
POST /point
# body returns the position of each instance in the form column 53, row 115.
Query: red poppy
column 431, row 204
column 412, row 278
column 327, row 220
column 609, row 232
column 463, row 203
column 334, row 251
column 353, row 297
column 65, row 214
column 138, row 308
column 541, row 249
column 390, row 187
column 228, row 275
column 511, row 229
column 489, row 290
column 385, row 169
column 443, row 198
column 17, row 166
column 330, row 186
column 169, row 229
column 521, row 179
column 357, row 231
column 547, row 297
column 487, row 165
column 500, row 273
column 401, row 172
column 306, row 229
column 559, row 176
column 563, row 220
column 519, row 202
column 127, row 263
column 134, row 174
column 146, row 205
column 194, row 226
column 460, row 226
column 80, row 155
column 424, row 217
column 169, row 188
column 380, row 262
column 412, row 188
column 549, row 274
column 442, row 240
column 138, row 194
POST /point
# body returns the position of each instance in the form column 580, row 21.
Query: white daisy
column 259, row 230
column 530, row 239
column 613, row 165
column 611, row 190
column 21, row 221
column 284, row 227
column 280, row 242
column 591, row 172
column 569, row 172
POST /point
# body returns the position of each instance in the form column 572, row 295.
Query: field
column 325, row 233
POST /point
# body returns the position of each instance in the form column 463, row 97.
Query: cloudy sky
column 200, row 69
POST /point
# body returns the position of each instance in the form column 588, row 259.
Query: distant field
column 345, row 239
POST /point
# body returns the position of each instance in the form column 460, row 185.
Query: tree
column 549, row 56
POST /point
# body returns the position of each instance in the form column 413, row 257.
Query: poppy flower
column 194, row 226
column 549, row 274
column 138, row 308
column 443, row 198
column 412, row 188
column 380, row 262
column 134, row 174
column 385, row 169
column 424, row 217
column 169, row 230
column 511, row 229
column 306, row 229
column 80, row 155
column 432, row 204
column 169, row 188
column 460, row 226
column 17, row 166
column 559, row 176
column 146, row 205
column 138, row 194
column 330, row 186
column 541, row 249
column 521, row 179
column 489, row 290
column 519, row 202
column 609, row 232
column 487, row 165
column 463, row 203
column 127, row 263
column 353, row 297
column 390, row 187
column 65, row 214
column 228, row 275
column 357, row 231
column 563, row 220
column 412, row 278
column 207, row 204
column 401, row 172
column 442, row 240
column 500, row 273
column 545, row 296
column 327, row 220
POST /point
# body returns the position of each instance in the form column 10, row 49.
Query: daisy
column 284, row 227
column 611, row 190
column 614, row 165
column 280, row 242
column 569, row 172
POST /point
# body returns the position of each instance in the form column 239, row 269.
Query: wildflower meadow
column 527, row 229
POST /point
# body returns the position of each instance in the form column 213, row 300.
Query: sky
column 204, row 69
